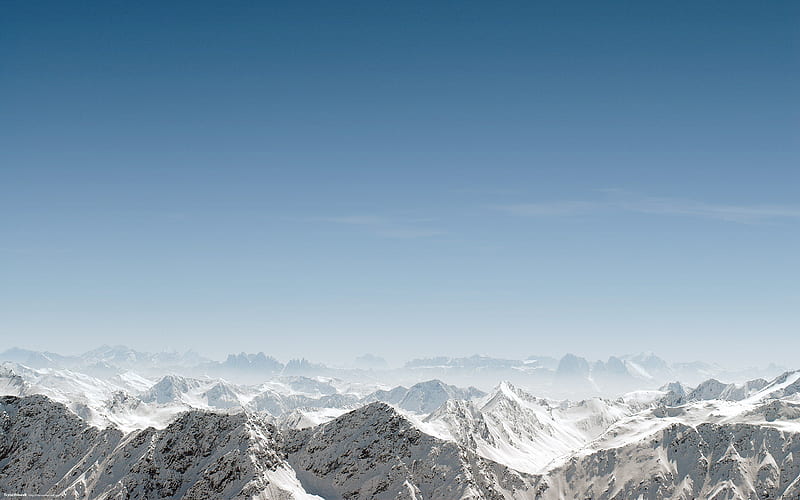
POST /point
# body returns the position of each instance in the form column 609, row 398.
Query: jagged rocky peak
column 572, row 366
column 786, row 384
column 464, row 422
column 711, row 389
column 374, row 452
column 613, row 367
column 738, row 392
column 373, row 414
column 41, row 440
column 121, row 400
column 259, row 361
column 46, row 450
column 745, row 448
column 779, row 411
column 200, row 455
column 457, row 407
column 301, row 366
column 507, row 393
column 11, row 383
column 675, row 387
column 674, row 394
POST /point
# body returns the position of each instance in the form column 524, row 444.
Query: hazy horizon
column 396, row 361
column 408, row 179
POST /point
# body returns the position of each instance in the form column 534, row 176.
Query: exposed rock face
column 711, row 461
column 46, row 450
column 373, row 452
column 42, row 444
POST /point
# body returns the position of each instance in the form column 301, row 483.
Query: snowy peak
column 46, row 450
column 374, row 418
column 785, row 385
column 507, row 397
column 570, row 377
column 11, row 384
column 717, row 440
column 374, row 452
column 170, row 389
column 710, row 389
column 392, row 396
column 425, row 397
column 222, row 395
column 526, row 433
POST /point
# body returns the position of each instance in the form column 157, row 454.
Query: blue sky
column 324, row 179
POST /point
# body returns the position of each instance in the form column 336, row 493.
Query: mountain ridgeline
column 102, row 426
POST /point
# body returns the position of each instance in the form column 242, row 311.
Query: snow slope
column 521, row 431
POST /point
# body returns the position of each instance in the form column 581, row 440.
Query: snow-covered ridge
column 128, row 401
column 376, row 451
column 47, row 450
column 296, row 436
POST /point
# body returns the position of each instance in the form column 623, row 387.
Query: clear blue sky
column 324, row 179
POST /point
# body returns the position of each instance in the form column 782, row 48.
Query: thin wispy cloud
column 745, row 214
column 731, row 213
column 409, row 233
column 354, row 220
column 384, row 226
column 557, row 208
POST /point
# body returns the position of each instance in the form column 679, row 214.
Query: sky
column 409, row 179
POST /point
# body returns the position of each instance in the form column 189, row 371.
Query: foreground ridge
column 375, row 451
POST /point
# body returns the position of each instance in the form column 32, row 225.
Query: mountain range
column 73, row 430
column 570, row 376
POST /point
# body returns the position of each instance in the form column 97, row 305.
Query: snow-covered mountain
column 710, row 461
column 105, row 360
column 374, row 452
column 285, row 435
column 517, row 429
column 129, row 401
column 425, row 397
column 571, row 376
column 46, row 450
